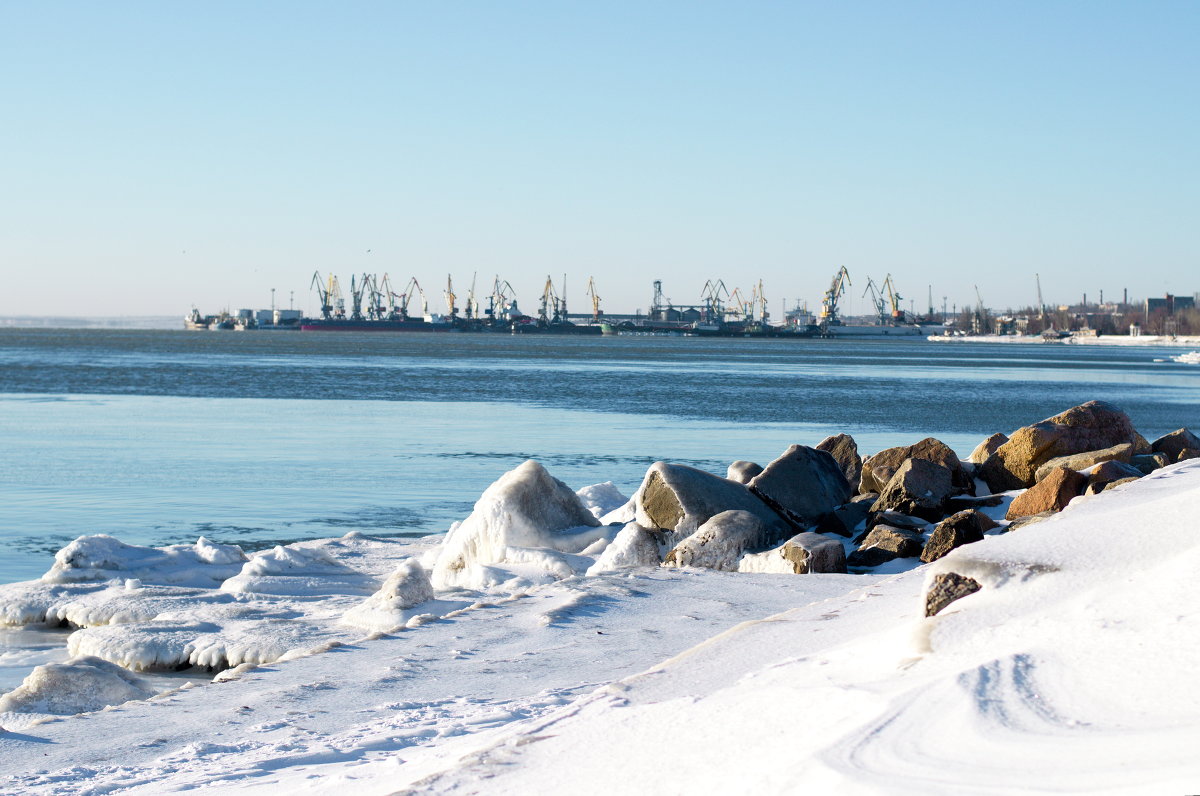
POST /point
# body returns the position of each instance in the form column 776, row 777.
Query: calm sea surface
column 158, row 437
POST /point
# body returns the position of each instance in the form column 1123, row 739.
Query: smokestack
column 1125, row 300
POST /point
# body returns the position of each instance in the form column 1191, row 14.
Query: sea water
column 257, row 439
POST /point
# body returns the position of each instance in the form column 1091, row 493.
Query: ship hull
column 374, row 326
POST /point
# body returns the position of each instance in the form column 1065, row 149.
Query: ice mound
column 298, row 572
column 526, row 508
column 28, row 603
column 102, row 557
column 387, row 610
column 602, row 499
column 124, row 603
column 77, row 686
column 633, row 546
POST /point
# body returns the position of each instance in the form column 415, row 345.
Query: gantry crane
column 591, row 291
column 829, row 304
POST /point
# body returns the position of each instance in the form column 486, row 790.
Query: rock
column 986, row 448
column 869, row 557
column 964, row 502
column 802, row 485
column 719, row 542
column 878, row 470
column 1147, row 463
column 846, row 517
column 1119, row 482
column 920, row 488
column 1188, row 453
column 1176, row 443
column 897, row 520
column 844, row 451
column 1092, row 426
column 1107, row 472
column 1052, row 493
column 678, row 499
column 742, row 471
column 955, row 531
column 1082, row 461
column 633, row 546
column 802, row 554
column 1032, row 519
column 945, row 588
column 901, row 542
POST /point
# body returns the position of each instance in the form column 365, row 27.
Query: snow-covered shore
column 504, row 659
column 1151, row 340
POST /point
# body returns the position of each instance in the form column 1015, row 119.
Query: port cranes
column 591, row 291
column 829, row 312
column 330, row 293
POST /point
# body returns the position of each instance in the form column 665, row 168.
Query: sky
column 158, row 155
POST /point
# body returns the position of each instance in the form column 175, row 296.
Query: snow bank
column 602, row 499
column 388, row 609
column 298, row 572
column 101, row 557
column 76, row 686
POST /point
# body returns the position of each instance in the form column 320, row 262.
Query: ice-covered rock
column 678, row 499
column 803, row 485
column 298, row 572
column 79, row 685
column 525, row 508
column 719, row 542
column 742, row 471
column 633, row 546
column 602, row 499
column 387, row 610
column 802, row 554
column 102, row 557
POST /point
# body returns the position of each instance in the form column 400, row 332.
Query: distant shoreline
column 1104, row 340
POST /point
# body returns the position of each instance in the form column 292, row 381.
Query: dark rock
column 920, row 488
column 894, row 519
column 1188, row 453
column 986, row 448
column 1082, row 461
column 1147, row 463
column 719, row 542
column 844, row 451
column 901, row 542
column 846, row 517
column 879, row 469
column 945, row 588
column 1176, row 443
column 1052, row 493
column 1092, row 426
column 679, row 499
column 813, row 553
column 1110, row 471
column 955, row 531
column 802, row 485
column 869, row 557
column 964, row 502
column 1032, row 519
column 742, row 471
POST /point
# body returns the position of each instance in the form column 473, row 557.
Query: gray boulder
column 719, row 542
column 919, row 488
column 802, row 485
column 677, row 499
column 878, row 470
column 742, row 471
column 884, row 543
column 847, row 517
column 1082, row 461
column 1147, row 463
column 844, row 451
column 956, row 530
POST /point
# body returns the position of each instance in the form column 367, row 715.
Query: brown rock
column 845, row 452
column 1032, row 519
column 878, row 470
column 1188, row 453
column 1052, row 493
column 919, row 488
column 947, row 587
column 1149, row 462
column 902, row 543
column 1082, row 461
column 986, row 448
column 1176, row 443
column 1092, row 426
column 812, row 553
column 955, row 531
column 1110, row 471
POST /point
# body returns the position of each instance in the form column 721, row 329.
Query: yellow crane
column 591, row 291
column 841, row 280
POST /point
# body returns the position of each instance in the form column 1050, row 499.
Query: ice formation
column 81, row 684
column 388, row 609
column 102, row 557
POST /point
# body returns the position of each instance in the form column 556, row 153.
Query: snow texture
column 102, row 557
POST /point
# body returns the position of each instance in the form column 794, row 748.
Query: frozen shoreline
column 503, row 659
column 1156, row 341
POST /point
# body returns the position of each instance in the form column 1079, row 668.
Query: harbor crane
column 549, row 309
column 502, row 301
column 376, row 310
column 759, row 296
column 714, row 295
column 356, row 296
column 829, row 311
column 979, row 321
column 324, row 293
column 591, row 291
column 472, row 308
column 876, row 299
column 894, row 299
column 450, row 297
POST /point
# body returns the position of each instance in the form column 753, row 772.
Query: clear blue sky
column 158, row 155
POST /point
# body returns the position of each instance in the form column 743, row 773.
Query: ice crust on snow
column 102, row 557
column 298, row 572
column 388, row 609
